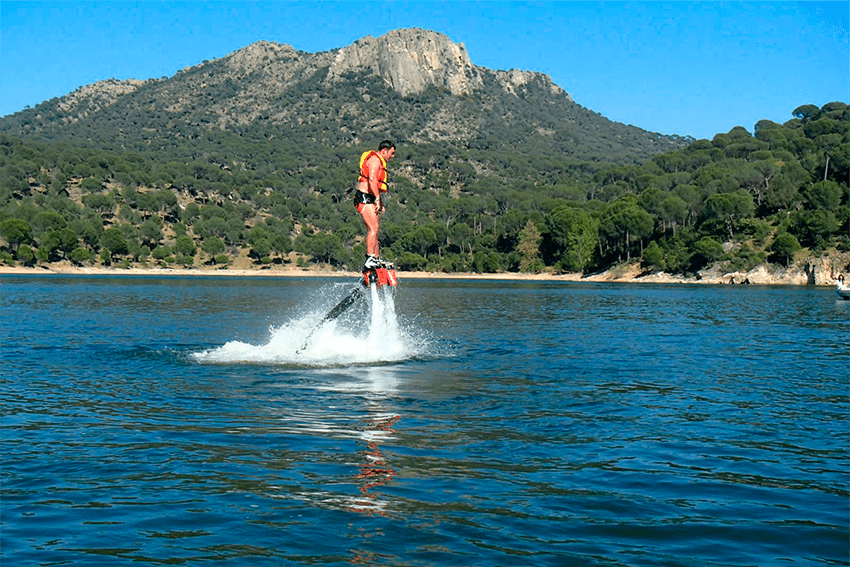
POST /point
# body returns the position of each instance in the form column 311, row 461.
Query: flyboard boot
column 379, row 272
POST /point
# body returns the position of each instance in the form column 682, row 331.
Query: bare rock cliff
column 410, row 60
column 515, row 79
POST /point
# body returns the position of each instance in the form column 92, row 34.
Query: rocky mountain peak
column 91, row 98
column 410, row 60
column 328, row 96
column 258, row 56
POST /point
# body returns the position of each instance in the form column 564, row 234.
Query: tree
column 624, row 221
column 806, row 112
column 813, row 228
column 767, row 170
column 259, row 249
column 460, row 235
column 729, row 207
column 784, row 192
column 100, row 203
column 575, row 233
column 477, row 195
column 410, row 261
column 215, row 226
column 48, row 244
column 840, row 164
column 90, row 185
column 529, row 248
column 824, row 195
column 68, row 240
column 213, row 246
column 44, row 221
column 486, row 262
column 167, row 200
column 185, row 246
column 114, row 242
column 419, row 240
column 162, row 253
column 88, row 229
column 327, row 248
column 25, row 255
column 16, row 232
column 151, row 231
column 672, row 210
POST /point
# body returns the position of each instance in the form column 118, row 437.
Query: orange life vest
column 382, row 173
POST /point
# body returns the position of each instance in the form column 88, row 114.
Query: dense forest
column 240, row 197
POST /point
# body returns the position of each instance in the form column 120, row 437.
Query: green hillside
column 739, row 199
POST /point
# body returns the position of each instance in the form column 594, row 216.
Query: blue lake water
column 150, row 421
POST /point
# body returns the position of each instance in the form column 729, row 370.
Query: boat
column 841, row 287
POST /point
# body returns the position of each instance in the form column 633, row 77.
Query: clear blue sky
column 689, row 68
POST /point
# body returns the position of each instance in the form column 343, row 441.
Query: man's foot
column 371, row 262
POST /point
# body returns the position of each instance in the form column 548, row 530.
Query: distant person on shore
column 367, row 198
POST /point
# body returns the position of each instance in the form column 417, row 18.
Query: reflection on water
column 376, row 385
column 363, row 413
column 375, row 471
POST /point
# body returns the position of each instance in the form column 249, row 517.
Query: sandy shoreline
column 272, row 272
column 621, row 274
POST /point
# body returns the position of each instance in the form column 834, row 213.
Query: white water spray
column 384, row 326
column 368, row 332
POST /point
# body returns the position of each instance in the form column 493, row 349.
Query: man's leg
column 370, row 219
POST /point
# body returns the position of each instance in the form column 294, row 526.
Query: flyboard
column 374, row 278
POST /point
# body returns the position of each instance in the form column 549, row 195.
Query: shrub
column 186, row 260
column 485, row 262
column 90, row 185
column 161, row 252
column 80, row 255
column 746, row 259
column 706, row 251
column 653, row 256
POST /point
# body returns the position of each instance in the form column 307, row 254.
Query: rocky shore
column 814, row 271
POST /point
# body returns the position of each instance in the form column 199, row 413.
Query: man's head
column 386, row 149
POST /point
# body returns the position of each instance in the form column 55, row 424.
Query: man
column 367, row 197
